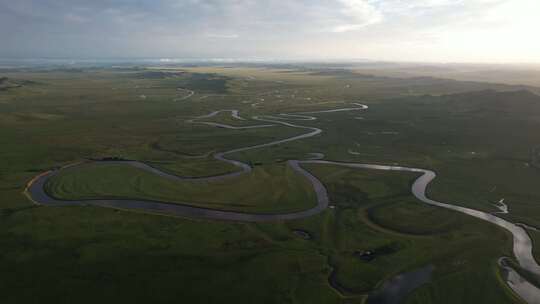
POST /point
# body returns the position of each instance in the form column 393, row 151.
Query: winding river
column 522, row 244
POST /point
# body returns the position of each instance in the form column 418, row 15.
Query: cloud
column 223, row 36
column 361, row 14
column 265, row 28
column 74, row 18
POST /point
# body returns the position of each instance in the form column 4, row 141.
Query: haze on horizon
column 499, row 31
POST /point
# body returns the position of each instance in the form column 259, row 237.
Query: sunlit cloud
column 361, row 14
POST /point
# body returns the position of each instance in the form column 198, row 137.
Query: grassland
column 411, row 247
column 88, row 254
column 480, row 144
column 279, row 189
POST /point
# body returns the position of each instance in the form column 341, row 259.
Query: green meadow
column 481, row 139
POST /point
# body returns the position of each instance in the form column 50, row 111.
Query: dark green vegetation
column 483, row 145
column 356, row 193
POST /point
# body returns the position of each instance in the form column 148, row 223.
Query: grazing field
column 481, row 139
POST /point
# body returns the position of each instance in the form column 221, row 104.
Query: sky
column 494, row 31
